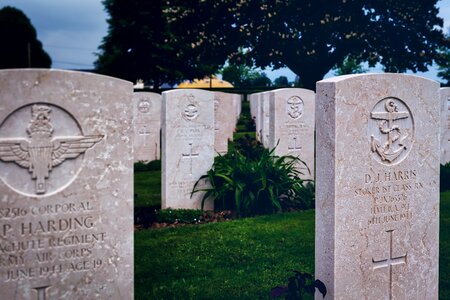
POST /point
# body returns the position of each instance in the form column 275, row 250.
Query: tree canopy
column 195, row 38
column 20, row 47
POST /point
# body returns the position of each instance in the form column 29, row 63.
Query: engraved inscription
column 40, row 153
column 41, row 241
column 390, row 131
column 389, row 262
column 144, row 106
column 294, row 107
column 190, row 111
column 144, row 132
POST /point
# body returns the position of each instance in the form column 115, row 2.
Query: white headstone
column 66, row 170
column 292, row 126
column 224, row 122
column 265, row 118
column 377, row 187
column 445, row 125
column 147, row 126
column 187, row 145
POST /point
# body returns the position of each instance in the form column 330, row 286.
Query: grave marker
column 224, row 122
column 445, row 126
column 187, row 145
column 147, row 125
column 66, row 180
column 377, row 187
column 292, row 126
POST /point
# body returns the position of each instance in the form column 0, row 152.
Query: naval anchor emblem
column 40, row 152
column 391, row 130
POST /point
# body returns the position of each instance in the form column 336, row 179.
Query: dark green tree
column 281, row 81
column 154, row 41
column 310, row 37
column 20, row 47
column 349, row 65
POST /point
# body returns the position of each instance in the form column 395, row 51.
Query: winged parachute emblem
column 41, row 153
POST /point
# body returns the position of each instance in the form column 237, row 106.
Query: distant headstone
column 292, row 126
column 187, row 145
column 377, row 187
column 224, row 122
column 66, row 170
column 445, row 126
column 147, row 126
column 265, row 118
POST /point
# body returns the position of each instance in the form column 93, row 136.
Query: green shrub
column 445, row 177
column 251, row 180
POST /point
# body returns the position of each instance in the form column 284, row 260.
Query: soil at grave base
column 145, row 217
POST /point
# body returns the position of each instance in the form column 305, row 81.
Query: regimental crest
column 190, row 110
column 144, row 106
column 294, row 107
column 41, row 152
column 391, row 131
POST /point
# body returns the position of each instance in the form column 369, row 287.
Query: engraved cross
column 41, row 292
column 295, row 146
column 190, row 155
column 389, row 262
column 144, row 131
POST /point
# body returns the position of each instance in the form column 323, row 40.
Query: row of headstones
column 147, row 114
column 284, row 120
column 66, row 170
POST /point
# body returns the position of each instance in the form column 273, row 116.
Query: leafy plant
column 251, row 180
column 299, row 285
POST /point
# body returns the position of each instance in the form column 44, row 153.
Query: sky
column 72, row 30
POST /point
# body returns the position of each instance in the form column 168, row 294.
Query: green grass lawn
column 147, row 188
column 240, row 259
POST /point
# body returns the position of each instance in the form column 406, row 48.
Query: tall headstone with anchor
column 66, row 184
column 187, row 145
column 377, row 186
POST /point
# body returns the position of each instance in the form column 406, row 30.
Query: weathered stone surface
column 292, row 126
column 187, row 145
column 445, row 125
column 265, row 118
column 224, row 122
column 147, row 126
column 66, row 170
column 377, row 187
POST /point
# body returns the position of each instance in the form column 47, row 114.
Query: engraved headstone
column 377, row 187
column 445, row 125
column 187, row 145
column 292, row 126
column 147, row 126
column 66, row 182
column 224, row 120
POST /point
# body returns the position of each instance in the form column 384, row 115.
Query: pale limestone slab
column 187, row 145
column 224, row 122
column 265, row 118
column 445, row 125
column 292, row 126
column 66, row 185
column 257, row 100
column 147, row 126
column 253, row 104
column 377, row 187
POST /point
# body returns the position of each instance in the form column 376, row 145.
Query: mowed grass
column 147, row 188
column 444, row 247
column 241, row 259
